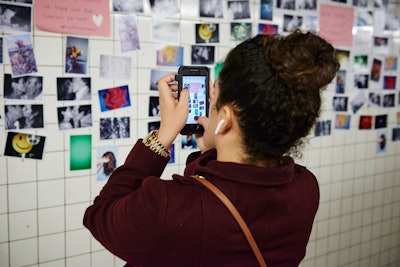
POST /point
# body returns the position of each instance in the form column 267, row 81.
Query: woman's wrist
column 152, row 142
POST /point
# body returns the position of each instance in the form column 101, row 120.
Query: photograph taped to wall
column 341, row 77
column 106, row 161
column 365, row 122
column 322, row 128
column 310, row 23
column 80, row 152
column 207, row 33
column 23, row 145
column 155, row 75
column 395, row 134
column 376, row 69
column 15, row 18
column 188, row 141
column 266, row 9
column 211, row 9
column 169, row 55
column 76, row 55
column 306, row 4
column 382, row 141
column 114, row 98
column 166, row 32
column 73, row 117
column 388, row 100
column 265, row 28
column 74, row 89
column 1, row 50
column 128, row 32
column 389, row 82
column 391, row 63
column 160, row 9
column 203, row 55
column 25, row 116
column 114, row 128
column 154, row 106
column 292, row 22
column 129, row 6
column 115, row 67
column 342, row 121
column 23, row 87
column 361, row 81
column 343, row 56
column 358, row 101
column 21, row 54
column 153, row 125
column 238, row 9
column 285, row 4
column 340, row 103
column 381, row 121
column 240, row 31
column 171, row 154
column 374, row 100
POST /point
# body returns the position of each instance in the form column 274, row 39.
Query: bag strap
column 237, row 217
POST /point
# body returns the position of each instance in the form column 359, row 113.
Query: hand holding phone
column 196, row 80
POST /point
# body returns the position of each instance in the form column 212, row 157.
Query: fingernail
column 196, row 118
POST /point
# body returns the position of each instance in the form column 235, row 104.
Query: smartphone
column 196, row 80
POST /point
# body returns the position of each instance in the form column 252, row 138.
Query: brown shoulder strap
column 236, row 215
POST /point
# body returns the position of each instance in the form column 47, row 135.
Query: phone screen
column 197, row 98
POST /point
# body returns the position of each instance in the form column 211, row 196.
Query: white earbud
column 219, row 126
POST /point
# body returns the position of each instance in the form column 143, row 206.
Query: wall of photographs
column 79, row 87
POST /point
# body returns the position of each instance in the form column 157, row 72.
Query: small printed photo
column 114, row 128
column 80, row 156
column 155, row 76
column 340, row 103
column 391, row 21
column 171, row 154
column 363, row 17
column 374, row 100
column 361, row 81
column 306, row 4
column 240, row 31
column 382, row 141
column 391, row 63
column 267, row 29
column 23, row 87
column 15, row 18
column 291, row 22
column 207, row 33
column 342, row 121
column 25, row 146
column 76, row 88
column 343, row 56
column 115, row 67
column 114, row 98
column 169, row 55
column 360, row 3
column 203, row 55
column 341, row 82
column 189, row 141
column 106, row 161
column 154, row 125
column 310, row 23
column 376, row 69
column 388, row 100
column 358, row 101
column 389, row 82
column 238, row 9
column 380, row 121
column 380, row 45
column 211, row 9
column 266, row 9
column 23, row 116
column 286, row 4
column 72, row 117
column 128, row 32
column 161, row 9
column 154, row 106
column 360, row 63
column 166, row 32
column 76, row 55
column 322, row 128
column 395, row 134
column 366, row 122
column 1, row 50
column 128, row 6
column 21, row 54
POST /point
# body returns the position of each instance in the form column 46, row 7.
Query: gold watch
column 151, row 141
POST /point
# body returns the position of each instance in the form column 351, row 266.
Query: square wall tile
column 77, row 189
column 51, row 220
column 79, row 261
column 51, row 247
column 3, row 229
column 78, row 242
column 103, row 259
column 22, row 197
column 23, row 225
column 24, row 173
column 50, row 167
column 50, row 193
column 4, row 256
column 75, row 214
column 26, row 247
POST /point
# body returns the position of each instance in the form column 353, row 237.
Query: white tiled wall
column 42, row 202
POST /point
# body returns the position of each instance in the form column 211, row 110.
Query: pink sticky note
column 83, row 17
column 336, row 24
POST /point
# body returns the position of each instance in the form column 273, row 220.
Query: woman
column 266, row 99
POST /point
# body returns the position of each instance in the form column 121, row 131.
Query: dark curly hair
column 273, row 84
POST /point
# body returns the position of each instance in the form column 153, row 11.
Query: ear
column 226, row 114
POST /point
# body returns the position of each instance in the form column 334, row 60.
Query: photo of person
column 203, row 55
column 322, row 128
column 189, row 141
column 72, row 117
column 114, row 98
column 238, row 9
column 154, row 125
column 207, row 33
column 285, row 4
column 381, row 142
column 21, row 54
column 76, row 88
column 161, row 9
column 25, row 146
column 374, row 100
column 154, row 106
column 76, row 55
column 128, row 32
column 396, row 134
column 340, row 103
column 291, row 22
column 211, row 9
column 23, row 87
column 376, row 69
column 15, row 18
column 307, row 4
column 106, row 161
column 129, row 6
column 361, row 81
column 341, row 82
column 23, row 116
column 114, row 128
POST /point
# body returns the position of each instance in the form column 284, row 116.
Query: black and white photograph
column 238, row 9
column 128, row 6
column 203, row 55
column 322, row 128
column 154, row 106
column 388, row 100
column 115, row 67
column 155, row 75
column 340, row 103
column 374, row 100
column 361, row 81
column 25, row 116
column 23, row 87
column 15, row 18
column 306, row 4
column 286, row 4
column 76, row 88
column 211, row 9
column 291, row 22
column 114, row 128
column 161, row 9
column 72, row 117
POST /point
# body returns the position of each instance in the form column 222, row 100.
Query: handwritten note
column 80, row 17
column 336, row 24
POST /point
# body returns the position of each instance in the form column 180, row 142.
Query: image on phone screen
column 197, row 97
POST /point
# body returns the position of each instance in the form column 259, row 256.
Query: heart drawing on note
column 97, row 19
